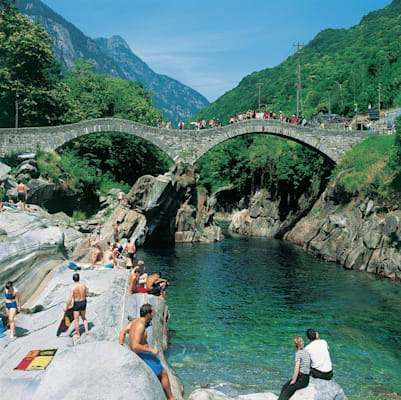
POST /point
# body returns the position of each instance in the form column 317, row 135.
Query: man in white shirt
column 318, row 350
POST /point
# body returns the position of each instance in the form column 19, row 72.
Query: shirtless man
column 78, row 293
column 139, row 344
column 130, row 249
column 116, row 234
column 120, row 197
column 97, row 255
column 133, row 281
column 143, row 276
column 156, row 285
column 21, row 194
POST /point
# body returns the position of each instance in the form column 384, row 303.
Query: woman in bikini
column 13, row 302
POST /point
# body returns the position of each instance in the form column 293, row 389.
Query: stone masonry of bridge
column 188, row 145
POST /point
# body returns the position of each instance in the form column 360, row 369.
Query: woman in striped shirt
column 300, row 379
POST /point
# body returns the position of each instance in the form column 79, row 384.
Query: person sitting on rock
column 143, row 276
column 78, row 294
column 156, row 285
column 134, row 282
column 97, row 255
column 300, row 379
column 139, row 344
column 109, row 259
column 318, row 350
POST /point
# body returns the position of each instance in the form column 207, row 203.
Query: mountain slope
column 173, row 98
column 113, row 57
column 340, row 67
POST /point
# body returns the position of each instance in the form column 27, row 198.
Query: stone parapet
column 188, row 145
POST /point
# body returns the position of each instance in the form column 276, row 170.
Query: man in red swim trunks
column 134, row 282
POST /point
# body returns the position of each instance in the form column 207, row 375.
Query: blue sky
column 211, row 45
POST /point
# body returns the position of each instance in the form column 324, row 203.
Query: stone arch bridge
column 188, row 145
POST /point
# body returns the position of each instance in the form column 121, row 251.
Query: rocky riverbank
column 95, row 366
column 357, row 232
column 351, row 230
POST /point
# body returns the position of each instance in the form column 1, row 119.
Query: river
column 236, row 305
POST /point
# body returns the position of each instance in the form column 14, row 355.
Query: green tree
column 30, row 78
column 99, row 96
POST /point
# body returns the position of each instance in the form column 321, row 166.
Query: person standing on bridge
column 181, row 125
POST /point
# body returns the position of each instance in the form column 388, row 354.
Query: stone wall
column 188, row 145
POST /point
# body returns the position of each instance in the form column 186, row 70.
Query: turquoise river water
column 236, row 305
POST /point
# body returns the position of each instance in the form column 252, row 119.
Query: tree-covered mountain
column 113, row 57
column 339, row 66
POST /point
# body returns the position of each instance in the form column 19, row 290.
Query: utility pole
column 379, row 88
column 328, row 92
column 260, row 84
column 299, row 48
column 16, row 108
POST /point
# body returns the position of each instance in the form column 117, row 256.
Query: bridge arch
column 321, row 152
column 188, row 145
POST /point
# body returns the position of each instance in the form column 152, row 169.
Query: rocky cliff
column 264, row 213
column 168, row 208
column 31, row 245
column 356, row 232
column 113, row 57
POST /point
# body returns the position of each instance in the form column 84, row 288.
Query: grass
column 368, row 164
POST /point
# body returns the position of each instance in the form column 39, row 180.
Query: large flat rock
column 95, row 366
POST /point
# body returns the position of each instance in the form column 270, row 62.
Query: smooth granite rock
column 317, row 389
column 4, row 171
column 30, row 246
column 94, row 366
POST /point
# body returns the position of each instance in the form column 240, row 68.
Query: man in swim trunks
column 78, row 294
column 22, row 194
column 130, row 249
column 139, row 345
column 134, row 282
column 116, row 234
column 13, row 302
column 156, row 285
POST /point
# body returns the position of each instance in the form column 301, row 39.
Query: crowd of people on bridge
column 237, row 118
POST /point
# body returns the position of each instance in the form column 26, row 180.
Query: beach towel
column 36, row 360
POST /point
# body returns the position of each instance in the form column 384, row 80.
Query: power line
column 300, row 50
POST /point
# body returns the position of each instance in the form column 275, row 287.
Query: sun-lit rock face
column 94, row 366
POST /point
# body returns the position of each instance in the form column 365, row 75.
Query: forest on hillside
column 339, row 68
